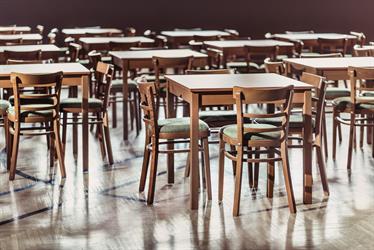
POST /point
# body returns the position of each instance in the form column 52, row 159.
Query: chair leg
column 238, row 181
column 136, row 111
column 334, row 128
column 153, row 172
column 287, row 178
column 100, row 135
column 221, row 169
column 6, row 132
column 270, row 177
column 64, row 127
column 187, row 170
column 51, row 139
column 250, row 169
column 9, row 147
column 362, row 129
column 202, row 157
column 322, row 170
column 351, row 141
column 13, row 162
column 75, row 134
column 340, row 132
column 145, row 164
column 132, row 115
column 256, row 171
column 59, row 149
column 108, row 142
column 114, row 112
column 324, row 136
column 233, row 162
column 208, row 182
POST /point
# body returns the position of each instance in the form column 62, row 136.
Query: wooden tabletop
column 82, row 31
column 16, row 29
column 313, row 36
column 242, row 43
column 101, row 40
column 148, row 54
column 30, row 37
column 339, row 63
column 42, row 47
column 191, row 33
column 213, row 83
column 66, row 68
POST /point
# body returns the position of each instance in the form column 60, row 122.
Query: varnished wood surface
column 25, row 37
column 103, row 209
column 220, row 82
column 242, row 43
column 102, row 43
column 16, row 29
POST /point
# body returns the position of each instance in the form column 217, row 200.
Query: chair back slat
column 147, row 104
column 104, row 73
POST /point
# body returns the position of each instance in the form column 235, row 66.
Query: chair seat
column 231, row 131
column 209, row 116
column 77, row 103
column 343, row 103
column 106, row 59
column 179, row 125
column 368, row 93
column 296, row 121
column 117, row 85
column 4, row 105
column 45, row 114
column 332, row 93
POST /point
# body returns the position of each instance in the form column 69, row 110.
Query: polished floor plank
column 103, row 209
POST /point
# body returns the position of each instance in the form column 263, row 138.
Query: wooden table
column 311, row 40
column 237, row 47
column 102, row 43
column 81, row 32
column 129, row 60
column 331, row 68
column 75, row 74
column 25, row 37
column 15, row 29
column 199, row 90
column 176, row 38
column 48, row 50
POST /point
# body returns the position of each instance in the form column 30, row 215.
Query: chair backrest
column 46, row 98
column 298, row 47
column 214, row 57
column 94, row 57
column 359, row 76
column 40, row 29
column 262, row 52
column 274, row 67
column 147, row 104
column 299, row 32
column 161, row 64
column 22, row 55
column 10, row 41
column 13, row 61
column 74, row 50
column 130, row 31
column 209, row 72
column 122, row 46
column 104, row 75
column 280, row 96
column 358, row 50
column 69, row 40
column 361, row 38
column 333, row 45
column 51, row 38
column 318, row 98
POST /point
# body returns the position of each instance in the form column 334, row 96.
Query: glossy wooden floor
column 103, row 209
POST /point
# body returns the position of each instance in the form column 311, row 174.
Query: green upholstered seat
column 118, row 83
column 231, row 131
column 217, row 115
column 28, row 114
column 32, row 101
column 332, row 93
column 368, row 93
column 342, row 103
column 179, row 125
column 77, row 103
column 296, row 121
column 4, row 105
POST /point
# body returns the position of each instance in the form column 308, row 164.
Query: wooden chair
column 51, row 38
column 130, row 31
column 274, row 67
column 359, row 103
column 10, row 41
column 358, row 50
column 39, row 29
column 166, row 131
column 256, row 56
column 296, row 125
column 161, row 65
column 43, row 110
column 215, row 58
column 333, row 45
column 98, row 106
column 22, row 55
column 74, row 50
column 246, row 139
column 361, row 38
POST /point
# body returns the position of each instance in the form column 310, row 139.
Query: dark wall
column 250, row 17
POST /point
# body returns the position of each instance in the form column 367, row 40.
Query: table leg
column 125, row 93
column 85, row 130
column 170, row 157
column 194, row 151
column 308, row 148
